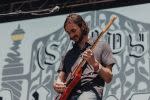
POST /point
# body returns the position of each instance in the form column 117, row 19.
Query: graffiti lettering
column 116, row 40
column 52, row 53
column 137, row 43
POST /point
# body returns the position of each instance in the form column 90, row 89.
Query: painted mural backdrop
column 31, row 52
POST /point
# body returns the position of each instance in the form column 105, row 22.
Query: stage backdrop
column 31, row 51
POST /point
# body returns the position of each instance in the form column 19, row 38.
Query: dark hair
column 77, row 19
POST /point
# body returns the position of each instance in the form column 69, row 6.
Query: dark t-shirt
column 90, row 80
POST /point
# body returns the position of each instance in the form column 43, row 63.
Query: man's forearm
column 104, row 72
column 61, row 76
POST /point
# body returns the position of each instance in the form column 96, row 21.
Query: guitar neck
column 102, row 32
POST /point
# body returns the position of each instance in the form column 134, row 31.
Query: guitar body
column 71, row 85
column 69, row 88
column 67, row 91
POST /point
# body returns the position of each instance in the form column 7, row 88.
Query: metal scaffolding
column 24, row 9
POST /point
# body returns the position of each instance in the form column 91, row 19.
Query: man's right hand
column 59, row 86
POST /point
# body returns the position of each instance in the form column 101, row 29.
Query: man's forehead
column 70, row 21
column 70, row 24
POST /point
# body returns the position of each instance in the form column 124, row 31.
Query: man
column 97, row 69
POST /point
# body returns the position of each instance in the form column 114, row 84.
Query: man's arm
column 61, row 77
column 105, row 72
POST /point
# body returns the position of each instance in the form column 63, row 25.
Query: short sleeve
column 107, row 55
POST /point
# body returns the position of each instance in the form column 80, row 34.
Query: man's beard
column 80, row 39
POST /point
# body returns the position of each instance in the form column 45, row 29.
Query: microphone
column 55, row 9
column 45, row 11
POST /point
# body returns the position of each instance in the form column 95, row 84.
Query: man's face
column 73, row 31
